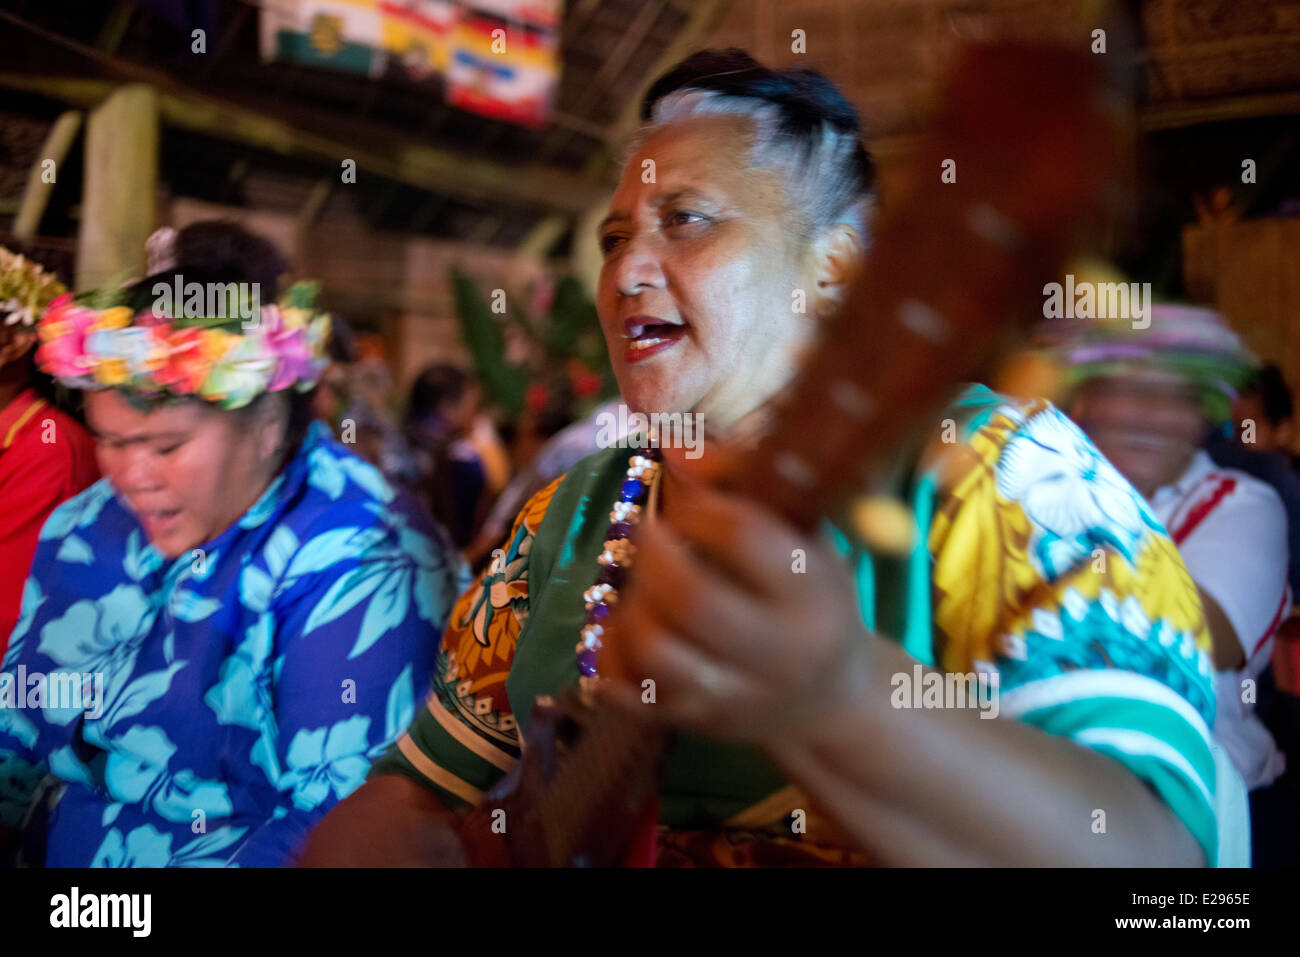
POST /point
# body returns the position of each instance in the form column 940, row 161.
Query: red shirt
column 45, row 458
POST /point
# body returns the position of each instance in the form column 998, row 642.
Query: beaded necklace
column 635, row 498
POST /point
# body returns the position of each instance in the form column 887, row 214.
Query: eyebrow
column 106, row 436
column 611, row 219
column 688, row 193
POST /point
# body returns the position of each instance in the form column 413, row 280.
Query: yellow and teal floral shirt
column 1037, row 562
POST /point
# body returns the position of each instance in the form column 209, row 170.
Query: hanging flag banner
column 417, row 34
column 543, row 14
column 336, row 34
column 507, row 75
column 498, row 58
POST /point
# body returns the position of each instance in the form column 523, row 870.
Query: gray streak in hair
column 819, row 176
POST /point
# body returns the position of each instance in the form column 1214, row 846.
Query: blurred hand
column 738, row 642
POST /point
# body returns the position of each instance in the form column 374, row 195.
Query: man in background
column 1259, row 445
column 1149, row 398
column 440, row 421
column 1266, row 402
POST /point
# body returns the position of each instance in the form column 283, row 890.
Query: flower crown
column 96, row 348
column 25, row 289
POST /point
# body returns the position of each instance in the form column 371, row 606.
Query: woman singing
column 239, row 617
column 784, row 686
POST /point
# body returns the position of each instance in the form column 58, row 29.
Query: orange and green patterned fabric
column 1038, row 563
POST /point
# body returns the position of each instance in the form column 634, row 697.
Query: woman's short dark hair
column 803, row 126
column 225, row 246
column 436, row 386
column 1273, row 393
column 217, row 251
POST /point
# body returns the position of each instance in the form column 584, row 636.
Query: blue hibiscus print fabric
column 232, row 696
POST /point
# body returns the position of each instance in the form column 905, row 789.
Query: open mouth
column 647, row 337
column 160, row 520
column 1141, row 441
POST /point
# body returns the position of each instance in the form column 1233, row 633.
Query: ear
column 272, row 424
column 837, row 259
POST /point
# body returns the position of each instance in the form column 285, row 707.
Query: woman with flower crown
column 45, row 454
column 217, row 638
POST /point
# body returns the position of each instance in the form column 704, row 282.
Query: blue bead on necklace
column 616, row 558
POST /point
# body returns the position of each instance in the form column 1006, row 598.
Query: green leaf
column 504, row 383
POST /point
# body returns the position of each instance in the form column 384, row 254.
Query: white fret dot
column 849, row 397
column 987, row 223
column 919, row 318
column 795, row 470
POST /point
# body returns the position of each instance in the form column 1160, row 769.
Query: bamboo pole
column 120, row 187
column 36, row 195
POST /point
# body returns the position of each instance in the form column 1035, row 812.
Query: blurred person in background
column 487, row 441
column 45, row 454
column 354, row 398
column 258, row 611
column 1265, row 401
column 441, row 418
column 562, row 450
column 1149, row 398
column 1258, row 443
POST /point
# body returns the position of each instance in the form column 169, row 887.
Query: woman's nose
column 639, row 269
column 136, row 472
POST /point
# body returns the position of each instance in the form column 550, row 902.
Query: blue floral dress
column 229, row 698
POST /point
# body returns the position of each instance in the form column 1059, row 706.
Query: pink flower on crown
column 293, row 359
column 285, row 342
column 62, row 331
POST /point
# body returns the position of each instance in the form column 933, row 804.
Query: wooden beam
column 577, row 124
column 1175, row 115
column 316, row 200
column 36, row 195
column 614, row 63
column 543, row 236
column 484, row 231
column 120, row 186
column 705, row 16
column 115, row 25
column 395, row 157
